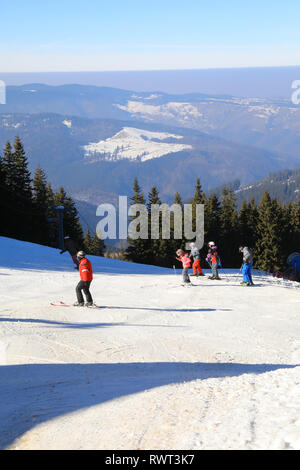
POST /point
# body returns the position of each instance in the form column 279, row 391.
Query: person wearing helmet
column 72, row 247
column 213, row 260
column 195, row 255
column 86, row 277
column 247, row 265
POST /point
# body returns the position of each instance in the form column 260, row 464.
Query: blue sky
column 72, row 35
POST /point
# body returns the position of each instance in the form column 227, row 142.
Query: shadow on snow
column 32, row 394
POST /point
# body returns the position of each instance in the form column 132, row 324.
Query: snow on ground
column 133, row 144
column 215, row 366
column 169, row 110
column 67, row 123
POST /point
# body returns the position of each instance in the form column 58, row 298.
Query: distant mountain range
column 264, row 123
column 95, row 140
column 103, row 156
column 260, row 82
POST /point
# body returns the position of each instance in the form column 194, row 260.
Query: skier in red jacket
column 86, row 277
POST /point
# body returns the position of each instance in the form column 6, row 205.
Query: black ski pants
column 85, row 287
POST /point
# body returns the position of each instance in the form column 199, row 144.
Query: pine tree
column 175, row 243
column 18, row 182
column 97, row 246
column 268, row 243
column 87, row 243
column 72, row 226
column 293, row 239
column 4, row 198
column 247, row 224
column 229, row 236
column 199, row 196
column 22, row 173
column 138, row 249
column 9, row 204
column 212, row 218
column 24, row 192
column 51, row 216
column 9, row 167
column 284, row 233
column 157, row 246
column 40, row 204
column 198, row 199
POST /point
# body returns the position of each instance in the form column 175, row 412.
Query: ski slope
column 214, row 366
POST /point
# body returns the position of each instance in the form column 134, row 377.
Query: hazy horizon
column 260, row 82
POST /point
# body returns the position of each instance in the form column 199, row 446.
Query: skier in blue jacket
column 247, row 265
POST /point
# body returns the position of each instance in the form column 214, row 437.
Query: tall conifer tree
column 229, row 239
column 72, row 226
column 138, row 249
column 267, row 247
column 40, row 204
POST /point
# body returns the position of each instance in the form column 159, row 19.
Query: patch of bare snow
column 168, row 110
column 134, row 144
column 67, row 123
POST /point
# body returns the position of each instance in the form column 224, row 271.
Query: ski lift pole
column 60, row 213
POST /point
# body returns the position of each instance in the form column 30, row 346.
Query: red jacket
column 186, row 261
column 85, row 270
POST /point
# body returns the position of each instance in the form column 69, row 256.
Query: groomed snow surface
column 160, row 366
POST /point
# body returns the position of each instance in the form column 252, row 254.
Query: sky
column 101, row 35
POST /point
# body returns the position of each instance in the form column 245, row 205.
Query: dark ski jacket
column 71, row 246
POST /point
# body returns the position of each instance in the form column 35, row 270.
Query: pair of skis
column 64, row 304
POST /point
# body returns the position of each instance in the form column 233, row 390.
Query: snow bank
column 16, row 254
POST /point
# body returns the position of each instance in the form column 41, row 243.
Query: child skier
column 86, row 277
column 247, row 265
column 195, row 254
column 186, row 264
column 212, row 259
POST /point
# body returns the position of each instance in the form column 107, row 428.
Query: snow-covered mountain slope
column 214, row 366
column 269, row 124
column 134, row 144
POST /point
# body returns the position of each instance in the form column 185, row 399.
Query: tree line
column 269, row 227
column 28, row 205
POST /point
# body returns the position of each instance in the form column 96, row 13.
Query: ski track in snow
column 160, row 367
